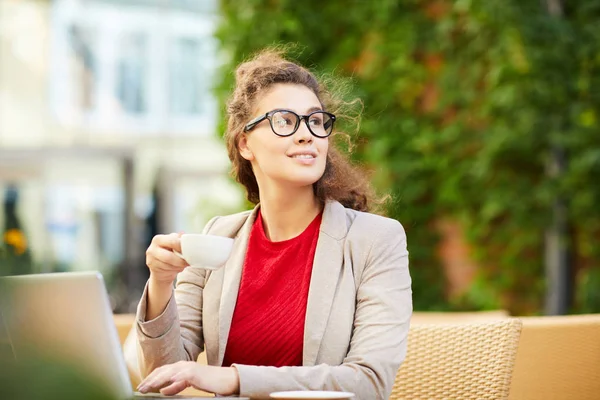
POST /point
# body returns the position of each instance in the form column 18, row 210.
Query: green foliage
column 464, row 103
column 43, row 378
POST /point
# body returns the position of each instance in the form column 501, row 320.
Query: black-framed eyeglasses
column 286, row 122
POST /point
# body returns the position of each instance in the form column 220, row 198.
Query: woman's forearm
column 159, row 294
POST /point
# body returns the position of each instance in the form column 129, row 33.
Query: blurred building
column 108, row 130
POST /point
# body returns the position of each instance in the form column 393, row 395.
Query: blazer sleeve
column 176, row 334
column 379, row 338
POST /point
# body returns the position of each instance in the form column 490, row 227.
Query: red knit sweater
column 268, row 321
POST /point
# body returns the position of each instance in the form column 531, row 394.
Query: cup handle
column 178, row 254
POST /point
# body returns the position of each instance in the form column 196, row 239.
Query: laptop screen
column 65, row 316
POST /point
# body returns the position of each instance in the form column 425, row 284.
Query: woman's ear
column 244, row 149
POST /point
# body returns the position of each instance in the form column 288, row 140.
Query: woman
column 316, row 294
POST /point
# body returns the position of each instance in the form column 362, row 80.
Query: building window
column 134, row 67
column 131, row 90
column 82, row 41
column 187, row 77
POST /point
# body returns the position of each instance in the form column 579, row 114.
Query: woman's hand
column 173, row 378
column 164, row 265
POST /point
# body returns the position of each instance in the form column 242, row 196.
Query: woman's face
column 298, row 159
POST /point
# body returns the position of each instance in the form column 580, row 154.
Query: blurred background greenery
column 40, row 378
column 465, row 103
column 480, row 118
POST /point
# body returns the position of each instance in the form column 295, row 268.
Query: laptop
column 69, row 314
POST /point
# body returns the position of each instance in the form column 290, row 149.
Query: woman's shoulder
column 228, row 225
column 343, row 223
column 365, row 223
column 374, row 240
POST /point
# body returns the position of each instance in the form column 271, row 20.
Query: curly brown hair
column 341, row 181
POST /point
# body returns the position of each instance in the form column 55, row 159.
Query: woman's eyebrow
column 313, row 109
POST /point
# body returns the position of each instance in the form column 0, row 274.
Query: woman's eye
column 316, row 121
column 282, row 122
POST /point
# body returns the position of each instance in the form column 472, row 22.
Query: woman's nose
column 303, row 134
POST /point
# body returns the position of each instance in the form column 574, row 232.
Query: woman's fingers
column 163, row 268
column 160, row 259
column 159, row 378
column 174, row 388
column 173, row 378
column 169, row 379
column 168, row 257
column 170, row 241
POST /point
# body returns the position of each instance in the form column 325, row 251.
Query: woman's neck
column 287, row 213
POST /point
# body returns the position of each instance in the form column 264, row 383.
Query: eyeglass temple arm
column 254, row 122
column 329, row 123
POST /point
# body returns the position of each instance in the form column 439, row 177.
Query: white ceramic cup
column 205, row 251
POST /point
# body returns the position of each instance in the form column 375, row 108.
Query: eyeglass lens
column 285, row 123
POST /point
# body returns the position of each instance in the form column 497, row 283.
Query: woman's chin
column 301, row 181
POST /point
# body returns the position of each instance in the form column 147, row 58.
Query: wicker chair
column 558, row 358
column 459, row 361
column 124, row 323
column 433, row 317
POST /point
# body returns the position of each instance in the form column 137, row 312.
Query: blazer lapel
column 232, row 275
column 329, row 256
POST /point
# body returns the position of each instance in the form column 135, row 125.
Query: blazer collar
column 334, row 221
column 326, row 267
column 329, row 257
column 232, row 276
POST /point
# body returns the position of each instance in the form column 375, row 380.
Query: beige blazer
column 357, row 317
